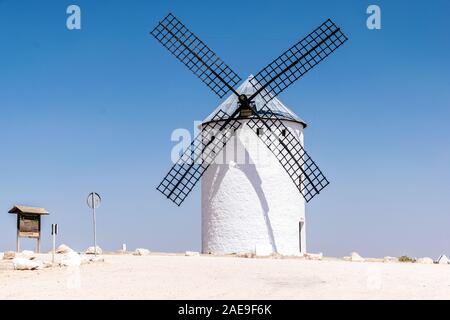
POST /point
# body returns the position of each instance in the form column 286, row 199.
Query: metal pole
column 54, row 244
column 17, row 241
column 95, row 233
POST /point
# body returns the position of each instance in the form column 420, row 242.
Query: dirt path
column 207, row 277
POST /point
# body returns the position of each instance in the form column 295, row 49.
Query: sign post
column 93, row 202
column 54, row 233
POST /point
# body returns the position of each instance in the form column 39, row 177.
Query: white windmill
column 250, row 198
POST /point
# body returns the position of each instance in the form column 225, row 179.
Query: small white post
column 54, row 232
column 54, row 245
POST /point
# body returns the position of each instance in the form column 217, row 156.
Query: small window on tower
column 283, row 132
column 258, row 131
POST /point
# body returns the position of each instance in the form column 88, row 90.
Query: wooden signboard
column 29, row 226
column 28, row 223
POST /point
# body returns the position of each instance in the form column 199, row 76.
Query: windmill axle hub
column 244, row 106
column 243, row 98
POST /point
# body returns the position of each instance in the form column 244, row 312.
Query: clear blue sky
column 88, row 110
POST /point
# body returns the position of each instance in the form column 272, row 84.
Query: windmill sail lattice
column 196, row 55
column 196, row 159
column 299, row 59
column 267, row 84
column 303, row 171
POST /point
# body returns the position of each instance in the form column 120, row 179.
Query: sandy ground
column 210, row 277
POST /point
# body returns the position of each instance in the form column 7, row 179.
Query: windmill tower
column 250, row 199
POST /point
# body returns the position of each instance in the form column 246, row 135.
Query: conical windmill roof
column 276, row 106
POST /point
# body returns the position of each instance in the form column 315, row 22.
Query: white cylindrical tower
column 249, row 202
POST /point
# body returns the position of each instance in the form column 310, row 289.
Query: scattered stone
column 87, row 259
column 443, row 259
column 97, row 259
column 28, row 254
column 355, row 257
column 141, row 252
column 245, row 255
column 71, row 259
column 91, row 250
column 373, row 260
column 9, row 255
column 390, row 259
column 406, row 259
column 26, row 264
column 192, row 254
column 425, row 260
column 263, row 250
column 314, row 256
column 63, row 249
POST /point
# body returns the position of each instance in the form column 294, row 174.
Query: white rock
column 87, row 259
column 97, row 259
column 192, row 253
column 425, row 260
column 71, row 259
column 141, row 252
column 1, row 255
column 443, row 259
column 26, row 264
column 91, row 250
column 390, row 259
column 9, row 255
column 355, row 257
column 63, row 249
column 263, row 250
column 314, row 256
column 27, row 254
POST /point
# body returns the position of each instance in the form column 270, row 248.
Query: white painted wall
column 253, row 203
